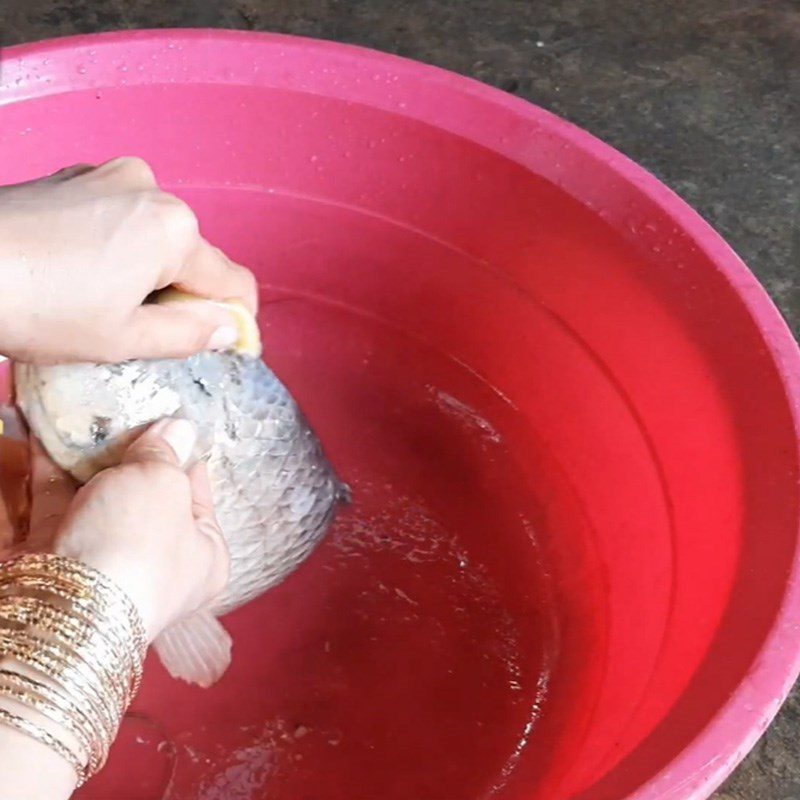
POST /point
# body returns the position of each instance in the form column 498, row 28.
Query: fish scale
column 274, row 491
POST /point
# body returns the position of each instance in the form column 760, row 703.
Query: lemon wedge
column 249, row 343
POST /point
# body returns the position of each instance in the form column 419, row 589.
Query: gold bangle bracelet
column 79, row 596
column 68, row 705
column 70, row 624
column 41, row 662
column 68, row 641
column 29, row 597
column 78, row 718
column 39, row 615
column 48, row 740
column 87, row 579
column 86, row 605
column 52, row 712
column 84, row 717
column 87, row 588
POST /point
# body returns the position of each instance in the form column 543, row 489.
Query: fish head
column 87, row 414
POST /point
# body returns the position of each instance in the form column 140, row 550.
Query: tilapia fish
column 274, row 491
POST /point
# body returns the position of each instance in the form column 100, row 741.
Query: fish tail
column 196, row 649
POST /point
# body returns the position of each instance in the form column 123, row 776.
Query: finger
column 169, row 441
column 130, row 172
column 206, row 522
column 213, row 550
column 202, row 495
column 208, row 272
column 174, row 330
column 52, row 491
column 72, row 171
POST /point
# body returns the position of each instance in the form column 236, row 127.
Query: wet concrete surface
column 705, row 94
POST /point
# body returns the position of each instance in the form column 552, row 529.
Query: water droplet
column 313, row 159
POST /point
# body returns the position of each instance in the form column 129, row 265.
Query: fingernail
column 223, row 338
column 180, row 435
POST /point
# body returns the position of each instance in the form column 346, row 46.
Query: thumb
column 169, row 441
column 175, row 330
column 207, row 525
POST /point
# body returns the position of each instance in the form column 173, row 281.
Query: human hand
column 81, row 250
column 147, row 524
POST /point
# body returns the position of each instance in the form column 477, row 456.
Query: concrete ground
column 704, row 93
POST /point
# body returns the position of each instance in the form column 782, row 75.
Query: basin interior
column 571, row 523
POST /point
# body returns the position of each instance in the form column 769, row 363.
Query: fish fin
column 196, row 649
column 345, row 494
column 12, row 423
column 14, row 472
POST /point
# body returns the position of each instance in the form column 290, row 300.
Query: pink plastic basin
column 568, row 413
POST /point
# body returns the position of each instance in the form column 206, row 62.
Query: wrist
column 123, row 574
